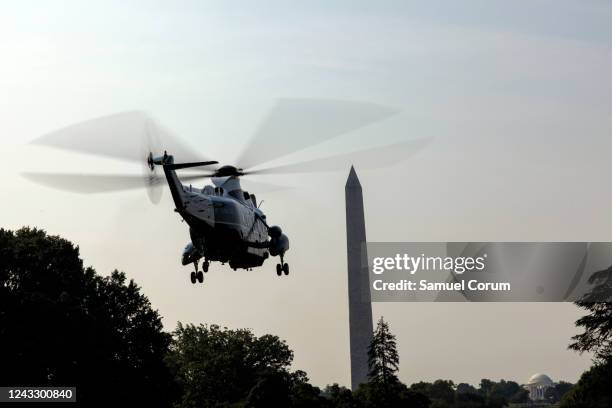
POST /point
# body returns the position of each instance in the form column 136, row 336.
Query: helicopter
column 226, row 223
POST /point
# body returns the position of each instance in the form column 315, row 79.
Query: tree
column 442, row 390
column 597, row 335
column 493, row 394
column 62, row 324
column 593, row 390
column 391, row 395
column 465, row 388
column 383, row 359
column 215, row 365
column 508, row 392
column 555, row 393
column 303, row 394
column 469, row 400
column 340, row 397
column 441, row 393
column 485, row 386
column 271, row 390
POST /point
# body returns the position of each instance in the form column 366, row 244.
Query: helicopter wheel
column 285, row 268
column 193, row 277
column 200, row 276
column 205, row 266
column 279, row 269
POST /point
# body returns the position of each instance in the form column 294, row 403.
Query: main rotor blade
column 367, row 159
column 103, row 183
column 255, row 187
column 294, row 124
column 127, row 136
column 249, row 185
column 93, row 183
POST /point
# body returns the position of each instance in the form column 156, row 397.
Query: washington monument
column 360, row 305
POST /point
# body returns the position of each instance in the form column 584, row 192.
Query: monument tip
column 352, row 180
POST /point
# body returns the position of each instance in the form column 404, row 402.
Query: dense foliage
column 215, row 365
column 594, row 389
column 597, row 324
column 62, row 324
column 555, row 393
column 490, row 394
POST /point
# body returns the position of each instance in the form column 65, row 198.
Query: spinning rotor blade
column 150, row 143
column 294, row 124
column 125, row 136
column 102, row 183
column 367, row 159
column 92, row 183
column 259, row 187
column 249, row 185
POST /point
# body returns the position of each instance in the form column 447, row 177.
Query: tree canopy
column 597, row 324
column 594, row 389
column 555, row 393
column 62, row 324
column 215, row 365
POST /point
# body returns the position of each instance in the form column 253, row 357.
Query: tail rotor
column 153, row 180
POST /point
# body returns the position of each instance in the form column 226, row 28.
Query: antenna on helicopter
column 260, row 203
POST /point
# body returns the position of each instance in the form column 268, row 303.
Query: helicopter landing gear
column 205, row 266
column 282, row 267
column 198, row 275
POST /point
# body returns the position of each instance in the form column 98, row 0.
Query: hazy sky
column 516, row 94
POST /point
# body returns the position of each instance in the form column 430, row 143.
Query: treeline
column 64, row 325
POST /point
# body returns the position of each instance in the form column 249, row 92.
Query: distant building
column 537, row 386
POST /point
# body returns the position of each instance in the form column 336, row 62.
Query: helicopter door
column 203, row 209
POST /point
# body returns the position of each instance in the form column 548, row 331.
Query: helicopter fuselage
column 225, row 224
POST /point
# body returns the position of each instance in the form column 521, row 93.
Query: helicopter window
column 254, row 200
column 246, row 195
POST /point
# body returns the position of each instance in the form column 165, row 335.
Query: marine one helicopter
column 226, row 224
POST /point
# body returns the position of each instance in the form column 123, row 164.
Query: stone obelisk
column 360, row 305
